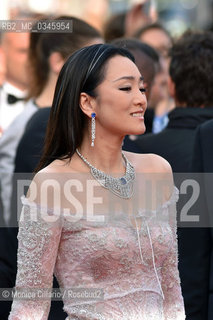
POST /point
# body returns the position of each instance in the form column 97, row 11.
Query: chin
column 138, row 131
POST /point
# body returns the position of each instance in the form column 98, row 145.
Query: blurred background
column 176, row 15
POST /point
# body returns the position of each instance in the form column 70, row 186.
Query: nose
column 140, row 99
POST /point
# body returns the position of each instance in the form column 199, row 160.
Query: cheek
column 22, row 58
column 115, row 108
column 112, row 101
column 112, row 112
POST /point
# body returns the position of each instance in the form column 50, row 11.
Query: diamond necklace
column 121, row 187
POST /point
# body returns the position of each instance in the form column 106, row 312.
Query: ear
column 87, row 104
column 56, row 62
column 171, row 88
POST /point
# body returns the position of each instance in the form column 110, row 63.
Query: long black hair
column 82, row 72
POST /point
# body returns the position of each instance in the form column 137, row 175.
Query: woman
column 85, row 216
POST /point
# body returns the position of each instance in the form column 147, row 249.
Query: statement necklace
column 121, row 187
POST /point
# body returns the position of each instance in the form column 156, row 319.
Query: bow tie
column 11, row 99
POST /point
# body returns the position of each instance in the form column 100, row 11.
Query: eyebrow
column 129, row 78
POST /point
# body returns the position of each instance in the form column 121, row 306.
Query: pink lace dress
column 127, row 269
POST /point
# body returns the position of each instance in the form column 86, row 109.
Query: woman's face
column 121, row 100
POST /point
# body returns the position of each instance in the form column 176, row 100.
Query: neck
column 17, row 85
column 106, row 155
column 45, row 99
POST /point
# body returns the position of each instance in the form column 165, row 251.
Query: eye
column 143, row 90
column 125, row 89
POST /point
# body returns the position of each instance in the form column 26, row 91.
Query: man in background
column 14, row 46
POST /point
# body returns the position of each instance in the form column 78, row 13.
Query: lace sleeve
column 37, row 251
column 173, row 302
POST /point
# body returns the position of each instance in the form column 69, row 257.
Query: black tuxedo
column 175, row 144
column 31, row 145
column 202, row 162
column 7, row 267
column 7, row 263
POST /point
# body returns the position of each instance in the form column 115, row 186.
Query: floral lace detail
column 38, row 245
column 135, row 266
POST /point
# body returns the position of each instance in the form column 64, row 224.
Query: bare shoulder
column 57, row 166
column 149, row 163
column 155, row 169
column 53, row 176
column 73, row 165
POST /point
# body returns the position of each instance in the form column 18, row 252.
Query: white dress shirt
column 8, row 145
column 8, row 112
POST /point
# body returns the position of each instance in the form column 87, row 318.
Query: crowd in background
column 179, row 126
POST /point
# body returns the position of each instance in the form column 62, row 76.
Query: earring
column 93, row 129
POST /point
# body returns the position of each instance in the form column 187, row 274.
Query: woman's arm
column 37, row 251
column 173, row 302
